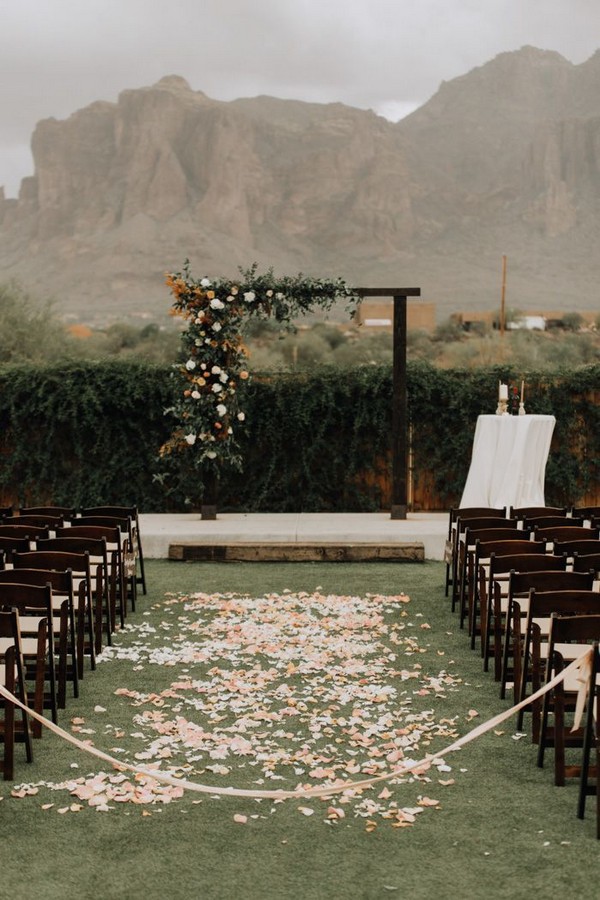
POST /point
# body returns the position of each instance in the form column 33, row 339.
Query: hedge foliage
column 87, row 433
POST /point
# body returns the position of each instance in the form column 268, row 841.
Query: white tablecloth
column 508, row 463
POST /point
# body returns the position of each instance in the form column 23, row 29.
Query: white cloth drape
column 508, row 462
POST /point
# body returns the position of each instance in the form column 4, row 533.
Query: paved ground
column 159, row 531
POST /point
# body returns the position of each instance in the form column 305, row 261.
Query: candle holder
column 502, row 408
column 522, row 409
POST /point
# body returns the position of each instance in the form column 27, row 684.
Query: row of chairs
column 527, row 583
column 68, row 579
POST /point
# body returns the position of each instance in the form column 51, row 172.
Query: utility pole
column 503, row 298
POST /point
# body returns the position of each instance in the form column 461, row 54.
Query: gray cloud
column 57, row 56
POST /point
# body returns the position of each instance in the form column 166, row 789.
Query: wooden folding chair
column 63, row 589
column 471, row 512
column 100, row 578
column 127, row 562
column 490, row 541
column 535, row 643
column 494, row 591
column 87, row 607
column 12, row 677
column 36, row 620
column 569, row 638
column 116, row 569
column 589, row 783
column 548, row 576
column 128, row 512
column 467, row 532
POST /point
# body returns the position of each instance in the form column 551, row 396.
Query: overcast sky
column 57, row 56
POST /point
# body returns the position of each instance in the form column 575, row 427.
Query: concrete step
column 283, row 551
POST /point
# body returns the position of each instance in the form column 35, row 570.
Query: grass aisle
column 275, row 691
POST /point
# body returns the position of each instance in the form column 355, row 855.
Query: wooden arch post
column 399, row 397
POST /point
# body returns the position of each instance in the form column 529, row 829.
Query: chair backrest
column 479, row 522
column 586, row 512
column 521, row 583
column 61, row 512
column 6, row 512
column 520, row 512
column 50, row 522
column 586, row 563
column 77, row 562
column 61, row 582
column 568, row 602
column 12, row 545
column 574, row 629
column 529, row 562
column 123, row 523
column 24, row 531
column 28, row 599
column 582, row 548
column 111, row 533
column 474, row 512
column 489, row 535
column 567, row 533
column 552, row 522
column 511, row 547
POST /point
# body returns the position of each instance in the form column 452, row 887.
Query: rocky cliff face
column 505, row 159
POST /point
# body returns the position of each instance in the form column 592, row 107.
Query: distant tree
column 572, row 321
column 29, row 332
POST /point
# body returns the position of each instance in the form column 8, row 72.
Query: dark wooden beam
column 399, row 396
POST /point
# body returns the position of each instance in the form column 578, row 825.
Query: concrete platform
column 341, row 536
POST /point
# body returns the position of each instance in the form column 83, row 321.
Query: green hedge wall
column 89, row 433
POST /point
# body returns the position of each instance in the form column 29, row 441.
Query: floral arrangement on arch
column 208, row 407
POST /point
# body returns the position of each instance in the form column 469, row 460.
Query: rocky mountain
column 503, row 160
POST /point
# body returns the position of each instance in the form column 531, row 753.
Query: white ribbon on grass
column 583, row 665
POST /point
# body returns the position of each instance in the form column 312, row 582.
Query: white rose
column 202, row 365
column 215, row 303
column 211, row 454
column 279, row 296
column 190, row 438
column 215, row 370
column 216, row 388
column 207, row 340
column 190, row 364
column 229, row 298
column 205, row 282
column 221, row 408
column 199, row 318
column 269, row 293
column 196, row 395
column 249, row 296
column 241, row 416
column 230, row 431
column 216, row 326
column 224, row 377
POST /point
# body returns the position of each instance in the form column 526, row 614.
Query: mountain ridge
column 502, row 160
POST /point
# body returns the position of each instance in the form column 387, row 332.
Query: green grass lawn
column 500, row 828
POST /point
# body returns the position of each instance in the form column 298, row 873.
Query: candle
column 522, row 390
column 503, row 395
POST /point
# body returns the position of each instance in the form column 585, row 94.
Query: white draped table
column 508, row 462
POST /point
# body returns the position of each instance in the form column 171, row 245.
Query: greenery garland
column 208, row 396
